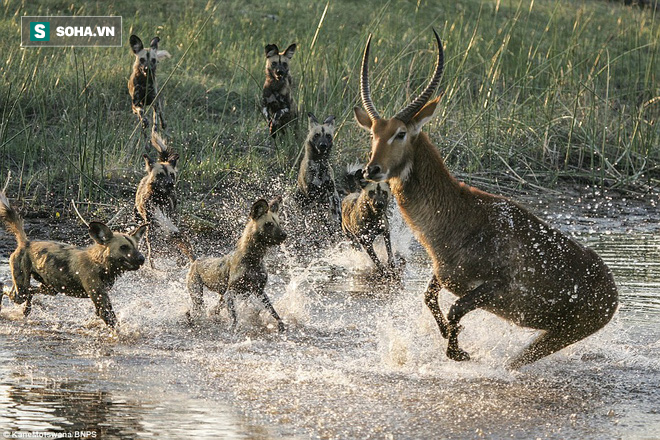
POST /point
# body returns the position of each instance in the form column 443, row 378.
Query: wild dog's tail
column 159, row 145
column 349, row 180
column 12, row 220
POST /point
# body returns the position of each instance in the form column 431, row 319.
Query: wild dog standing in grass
column 277, row 104
column 364, row 216
column 316, row 179
column 142, row 84
column 155, row 200
column 62, row 268
column 241, row 273
column 489, row 251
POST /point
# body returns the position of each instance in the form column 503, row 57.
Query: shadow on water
column 359, row 359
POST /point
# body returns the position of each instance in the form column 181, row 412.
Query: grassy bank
column 535, row 90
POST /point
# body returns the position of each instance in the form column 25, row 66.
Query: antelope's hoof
column 456, row 354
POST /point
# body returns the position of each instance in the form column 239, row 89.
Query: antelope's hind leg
column 551, row 341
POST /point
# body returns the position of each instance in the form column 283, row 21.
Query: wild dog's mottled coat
column 487, row 250
column 364, row 217
column 277, row 102
column 155, row 200
column 316, row 179
column 142, row 84
column 242, row 272
column 63, row 268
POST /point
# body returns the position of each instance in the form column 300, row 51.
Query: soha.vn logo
column 39, row 31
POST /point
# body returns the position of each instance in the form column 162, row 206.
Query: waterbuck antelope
column 487, row 250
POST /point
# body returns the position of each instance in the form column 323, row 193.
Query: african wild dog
column 155, row 200
column 62, row 268
column 242, row 272
column 316, row 179
column 142, row 84
column 364, row 217
column 277, row 104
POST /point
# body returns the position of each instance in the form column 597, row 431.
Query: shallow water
column 359, row 360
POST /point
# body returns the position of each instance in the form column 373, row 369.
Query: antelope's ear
column 423, row 116
column 362, row 118
column 148, row 163
column 259, row 208
column 100, row 233
column 271, row 49
column 136, row 44
column 162, row 54
column 154, row 43
column 290, row 51
column 139, row 232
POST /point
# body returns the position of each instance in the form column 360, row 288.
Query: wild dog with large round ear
column 155, row 202
column 88, row 272
column 364, row 217
column 142, row 84
column 316, row 178
column 489, row 251
column 241, row 273
column 277, row 104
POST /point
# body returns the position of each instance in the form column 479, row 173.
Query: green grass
column 539, row 90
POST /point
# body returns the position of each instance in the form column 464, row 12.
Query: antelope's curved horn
column 419, row 102
column 365, row 91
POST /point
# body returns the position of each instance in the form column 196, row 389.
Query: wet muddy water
column 359, row 359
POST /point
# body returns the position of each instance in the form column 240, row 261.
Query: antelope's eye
column 124, row 248
column 401, row 135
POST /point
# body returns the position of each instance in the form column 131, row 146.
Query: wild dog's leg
column 232, row 310
column 546, row 344
column 147, row 240
column 478, row 297
column 21, row 271
column 431, row 300
column 196, row 290
column 369, row 247
column 103, row 306
column 388, row 245
column 158, row 113
column 266, row 302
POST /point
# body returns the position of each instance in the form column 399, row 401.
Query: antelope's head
column 392, row 139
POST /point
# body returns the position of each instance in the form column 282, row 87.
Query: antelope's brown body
column 487, row 250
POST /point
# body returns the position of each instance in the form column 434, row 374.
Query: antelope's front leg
column 431, row 299
column 476, row 298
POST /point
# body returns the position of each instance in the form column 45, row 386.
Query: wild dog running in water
column 364, row 217
column 316, row 179
column 489, row 251
column 241, row 273
column 142, row 84
column 155, row 201
column 62, row 268
column 277, row 103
